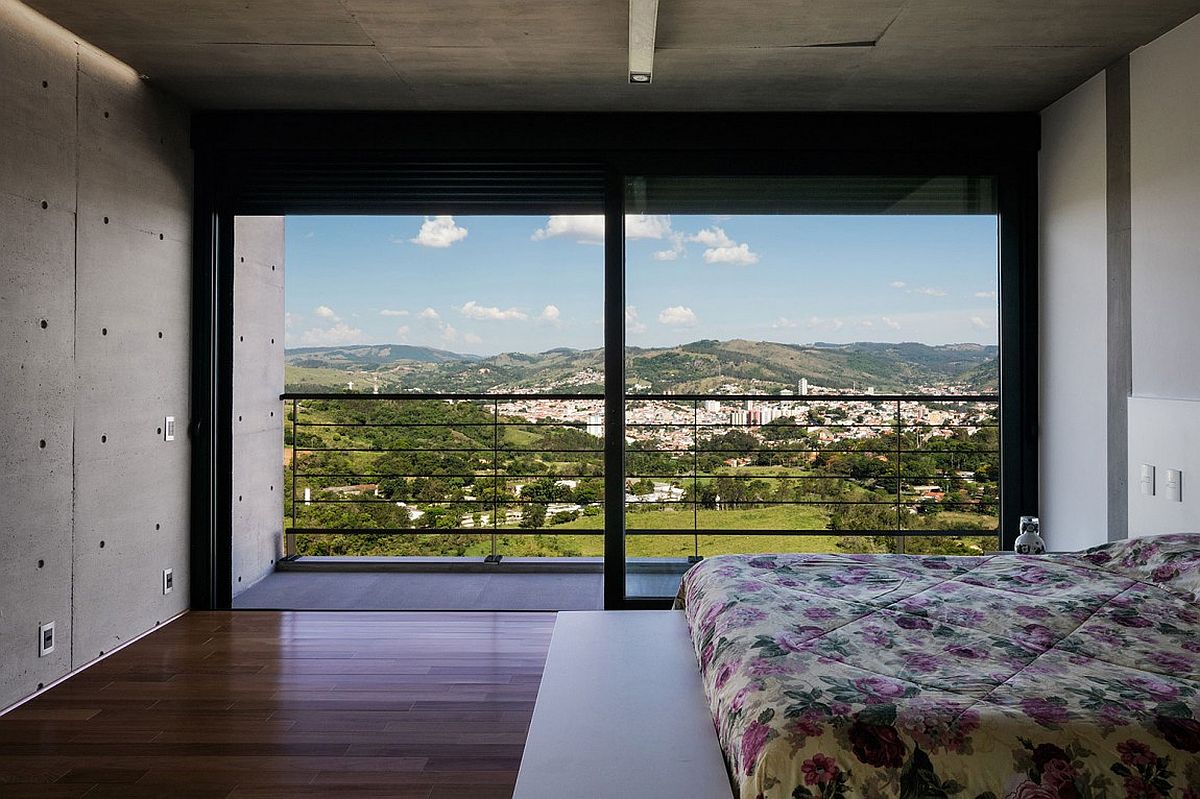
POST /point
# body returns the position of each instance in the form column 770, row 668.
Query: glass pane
column 811, row 366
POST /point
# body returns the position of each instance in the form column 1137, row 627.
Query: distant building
column 595, row 426
column 803, row 386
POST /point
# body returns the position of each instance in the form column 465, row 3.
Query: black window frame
column 248, row 163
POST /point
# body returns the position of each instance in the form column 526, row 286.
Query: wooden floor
column 291, row 704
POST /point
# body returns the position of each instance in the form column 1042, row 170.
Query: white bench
column 621, row 713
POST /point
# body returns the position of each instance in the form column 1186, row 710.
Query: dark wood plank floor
column 295, row 704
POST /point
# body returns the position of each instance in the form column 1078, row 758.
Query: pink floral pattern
column 1072, row 676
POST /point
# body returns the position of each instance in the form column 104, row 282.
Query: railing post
column 900, row 543
column 495, row 557
column 289, row 540
column 695, row 480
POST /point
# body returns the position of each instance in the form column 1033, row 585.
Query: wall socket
column 168, row 581
column 169, row 428
column 45, row 639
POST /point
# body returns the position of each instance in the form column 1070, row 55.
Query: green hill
column 700, row 366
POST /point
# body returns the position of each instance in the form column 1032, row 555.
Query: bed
column 1068, row 675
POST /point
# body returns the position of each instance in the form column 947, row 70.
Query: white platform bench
column 621, row 713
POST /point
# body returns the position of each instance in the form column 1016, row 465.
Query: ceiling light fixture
column 643, row 25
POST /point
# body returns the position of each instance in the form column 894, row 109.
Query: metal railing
column 511, row 465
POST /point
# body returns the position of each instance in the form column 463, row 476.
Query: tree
column 642, row 487
column 533, row 516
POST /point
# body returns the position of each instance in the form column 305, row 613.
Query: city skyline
column 485, row 285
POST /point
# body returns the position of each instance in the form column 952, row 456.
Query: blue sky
column 484, row 285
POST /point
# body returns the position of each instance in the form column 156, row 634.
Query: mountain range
column 700, row 366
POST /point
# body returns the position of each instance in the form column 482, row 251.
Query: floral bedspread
column 1073, row 675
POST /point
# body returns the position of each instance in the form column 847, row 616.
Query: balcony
column 477, row 498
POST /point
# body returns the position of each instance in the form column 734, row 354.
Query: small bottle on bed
column 1029, row 541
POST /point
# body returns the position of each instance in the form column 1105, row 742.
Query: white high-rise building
column 803, row 386
column 595, row 426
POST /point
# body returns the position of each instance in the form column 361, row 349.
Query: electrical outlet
column 168, row 581
column 45, row 639
column 169, row 428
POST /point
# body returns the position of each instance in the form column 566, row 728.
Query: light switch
column 1147, row 481
column 169, row 428
column 1174, row 485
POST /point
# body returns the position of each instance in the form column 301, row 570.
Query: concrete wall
column 1165, row 193
column 258, row 326
column 95, row 219
column 1073, row 323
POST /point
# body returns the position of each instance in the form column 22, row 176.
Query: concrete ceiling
column 570, row 55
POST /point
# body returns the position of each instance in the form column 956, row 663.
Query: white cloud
column 439, row 231
column 712, row 237
column 632, row 323
column 647, row 226
column 402, row 332
column 898, row 284
column 550, row 313
column 290, row 319
column 739, row 254
column 723, row 250
column 589, row 228
column 584, row 228
column 783, row 322
column 474, row 310
column 389, row 312
column 820, row 321
column 676, row 250
column 930, row 291
column 986, row 295
column 449, row 333
column 677, row 316
column 325, row 312
column 978, row 323
column 866, row 323
column 890, row 322
column 471, row 338
column 429, row 313
column 338, row 334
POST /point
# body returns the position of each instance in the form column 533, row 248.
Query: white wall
column 1165, row 211
column 1073, row 319
column 95, row 340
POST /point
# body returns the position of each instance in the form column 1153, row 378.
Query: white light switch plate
column 1174, row 485
column 169, row 428
column 1147, row 481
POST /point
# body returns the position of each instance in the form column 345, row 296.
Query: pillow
column 1171, row 561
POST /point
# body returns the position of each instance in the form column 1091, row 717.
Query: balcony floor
column 425, row 590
